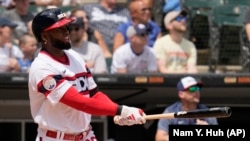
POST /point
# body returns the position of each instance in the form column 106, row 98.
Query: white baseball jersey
column 48, row 81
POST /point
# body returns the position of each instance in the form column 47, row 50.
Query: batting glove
column 123, row 121
column 133, row 115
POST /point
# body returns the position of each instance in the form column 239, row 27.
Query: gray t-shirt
column 92, row 52
column 106, row 22
column 20, row 20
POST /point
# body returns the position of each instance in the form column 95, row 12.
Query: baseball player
column 63, row 94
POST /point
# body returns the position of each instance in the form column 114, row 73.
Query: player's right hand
column 133, row 115
column 123, row 121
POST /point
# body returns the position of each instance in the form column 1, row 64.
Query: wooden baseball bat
column 216, row 112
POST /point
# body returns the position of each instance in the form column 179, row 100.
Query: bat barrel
column 217, row 112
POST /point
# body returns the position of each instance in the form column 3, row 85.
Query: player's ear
column 44, row 38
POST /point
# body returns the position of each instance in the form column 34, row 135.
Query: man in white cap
column 174, row 53
column 135, row 56
column 189, row 94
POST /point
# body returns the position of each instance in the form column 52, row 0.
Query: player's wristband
column 119, row 110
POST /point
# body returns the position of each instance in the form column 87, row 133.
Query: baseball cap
column 7, row 22
column 172, row 15
column 138, row 29
column 49, row 19
column 187, row 82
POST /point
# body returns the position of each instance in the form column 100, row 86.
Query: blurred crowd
column 111, row 38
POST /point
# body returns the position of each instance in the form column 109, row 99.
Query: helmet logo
column 62, row 15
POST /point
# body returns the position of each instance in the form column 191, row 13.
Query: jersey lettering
column 80, row 83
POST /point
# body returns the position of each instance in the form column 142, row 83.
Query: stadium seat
column 35, row 9
column 228, row 19
column 202, row 7
column 67, row 8
column 231, row 15
column 238, row 2
column 109, row 63
column 1, row 9
column 199, row 25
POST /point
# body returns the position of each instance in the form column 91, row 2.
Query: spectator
column 247, row 23
column 138, row 58
column 140, row 13
column 48, row 3
column 8, row 4
column 89, row 51
column 29, row 28
column 8, row 52
column 21, row 16
column 168, row 6
column 91, row 34
column 174, row 53
column 71, row 2
column 28, row 46
column 105, row 17
column 189, row 95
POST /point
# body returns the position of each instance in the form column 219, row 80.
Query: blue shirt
column 152, row 27
column 24, row 64
column 163, row 124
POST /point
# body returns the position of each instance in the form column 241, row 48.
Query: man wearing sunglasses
column 89, row 51
column 174, row 53
column 189, row 90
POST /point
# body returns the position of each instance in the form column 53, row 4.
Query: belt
column 67, row 136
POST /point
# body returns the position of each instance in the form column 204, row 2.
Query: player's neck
column 54, row 52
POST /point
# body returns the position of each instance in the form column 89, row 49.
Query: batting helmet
column 49, row 19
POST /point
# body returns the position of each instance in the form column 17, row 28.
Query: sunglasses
column 180, row 18
column 143, row 35
column 74, row 28
column 146, row 9
column 193, row 89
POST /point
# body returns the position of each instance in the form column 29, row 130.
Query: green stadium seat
column 202, row 7
column 67, row 8
column 1, row 9
column 229, row 21
column 230, row 15
column 35, row 9
column 109, row 63
column 238, row 2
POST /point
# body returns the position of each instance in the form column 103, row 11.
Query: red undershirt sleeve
column 99, row 104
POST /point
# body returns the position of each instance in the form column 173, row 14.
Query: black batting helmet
column 49, row 19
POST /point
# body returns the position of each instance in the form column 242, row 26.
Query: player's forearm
column 99, row 104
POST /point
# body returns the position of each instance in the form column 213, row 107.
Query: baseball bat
column 216, row 112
